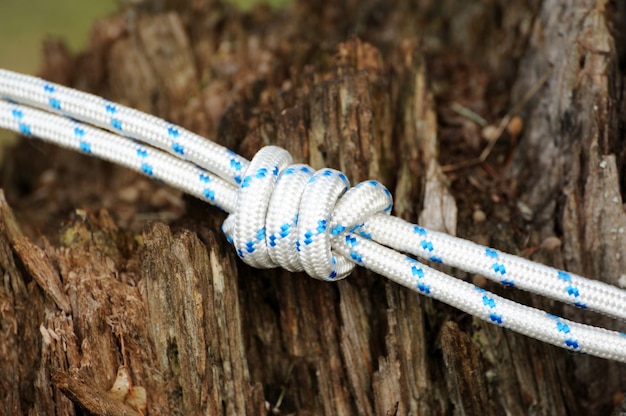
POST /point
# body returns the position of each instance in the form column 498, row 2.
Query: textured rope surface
column 299, row 219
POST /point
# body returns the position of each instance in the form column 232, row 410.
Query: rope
column 291, row 216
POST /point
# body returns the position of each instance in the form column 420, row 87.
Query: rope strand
column 299, row 219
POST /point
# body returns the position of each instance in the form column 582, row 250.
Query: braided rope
column 299, row 219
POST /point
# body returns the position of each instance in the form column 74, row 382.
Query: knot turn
column 289, row 215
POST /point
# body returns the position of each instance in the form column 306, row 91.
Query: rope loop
column 289, row 215
column 292, row 216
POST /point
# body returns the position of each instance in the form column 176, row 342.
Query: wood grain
column 103, row 268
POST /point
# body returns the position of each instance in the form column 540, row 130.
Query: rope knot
column 289, row 215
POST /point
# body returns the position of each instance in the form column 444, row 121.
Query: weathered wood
column 90, row 399
column 111, row 270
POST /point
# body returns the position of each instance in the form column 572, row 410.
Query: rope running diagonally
column 289, row 215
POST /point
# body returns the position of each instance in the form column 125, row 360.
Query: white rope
column 293, row 217
column 131, row 154
column 124, row 121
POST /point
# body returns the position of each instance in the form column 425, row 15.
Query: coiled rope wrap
column 293, row 217
column 288, row 216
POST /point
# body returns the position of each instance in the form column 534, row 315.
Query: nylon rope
column 291, row 216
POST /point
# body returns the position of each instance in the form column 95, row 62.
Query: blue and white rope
column 299, row 219
column 135, row 155
column 123, row 121
column 500, row 267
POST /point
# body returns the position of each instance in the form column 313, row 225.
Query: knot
column 289, row 215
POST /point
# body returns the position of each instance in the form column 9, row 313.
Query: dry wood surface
column 120, row 296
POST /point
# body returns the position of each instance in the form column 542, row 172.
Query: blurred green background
column 25, row 23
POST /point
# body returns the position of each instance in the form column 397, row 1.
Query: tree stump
column 121, row 296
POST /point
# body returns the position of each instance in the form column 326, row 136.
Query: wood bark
column 115, row 286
